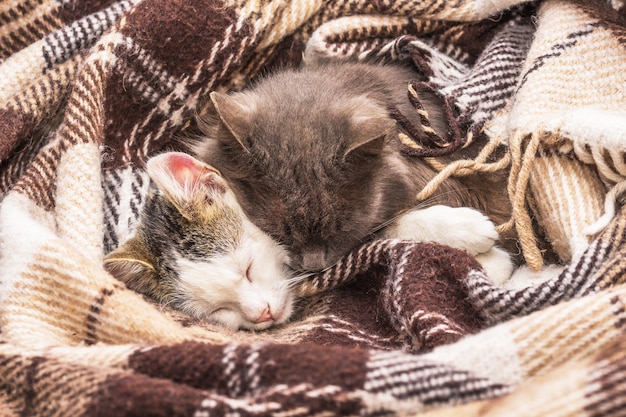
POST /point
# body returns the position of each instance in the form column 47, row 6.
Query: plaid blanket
column 90, row 90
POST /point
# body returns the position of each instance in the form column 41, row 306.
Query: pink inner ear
column 183, row 168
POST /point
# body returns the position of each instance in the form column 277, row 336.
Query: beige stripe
column 111, row 356
column 39, row 20
column 568, row 331
column 611, row 272
column 282, row 17
column 51, row 392
column 79, row 200
column 20, row 70
column 587, row 75
column 568, row 196
column 54, row 298
column 558, row 394
column 47, row 395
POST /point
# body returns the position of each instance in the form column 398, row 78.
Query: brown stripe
column 606, row 386
column 206, row 367
column 92, row 320
column 31, row 27
column 74, row 10
column 179, row 35
column 39, row 180
column 619, row 311
column 138, row 395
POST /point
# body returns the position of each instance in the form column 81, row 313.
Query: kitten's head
column 196, row 249
column 308, row 162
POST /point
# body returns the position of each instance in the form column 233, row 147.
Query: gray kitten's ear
column 129, row 264
column 370, row 125
column 184, row 179
column 370, row 136
column 234, row 114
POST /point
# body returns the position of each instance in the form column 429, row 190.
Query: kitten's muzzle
column 265, row 316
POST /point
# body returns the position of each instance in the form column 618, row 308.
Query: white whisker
column 297, row 279
column 420, row 205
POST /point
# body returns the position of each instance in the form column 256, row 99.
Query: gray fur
column 314, row 160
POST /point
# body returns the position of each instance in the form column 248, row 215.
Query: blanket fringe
column 520, row 157
column 610, row 204
column 464, row 167
column 523, row 151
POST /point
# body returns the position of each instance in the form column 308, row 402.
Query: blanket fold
column 90, row 90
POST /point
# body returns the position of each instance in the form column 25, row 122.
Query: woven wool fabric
column 90, row 90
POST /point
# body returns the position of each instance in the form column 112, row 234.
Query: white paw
column 462, row 228
column 497, row 264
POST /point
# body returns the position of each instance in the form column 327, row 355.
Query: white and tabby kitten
column 196, row 250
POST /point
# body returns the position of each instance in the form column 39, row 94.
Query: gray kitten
column 314, row 159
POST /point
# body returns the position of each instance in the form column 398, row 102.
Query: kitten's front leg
column 462, row 228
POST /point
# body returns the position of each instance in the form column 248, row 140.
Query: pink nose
column 266, row 315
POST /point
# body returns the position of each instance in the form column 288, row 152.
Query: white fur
column 218, row 290
column 462, row 228
column 237, row 288
column 497, row 264
column 525, row 277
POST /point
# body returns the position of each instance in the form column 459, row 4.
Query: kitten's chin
column 228, row 319
column 258, row 326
